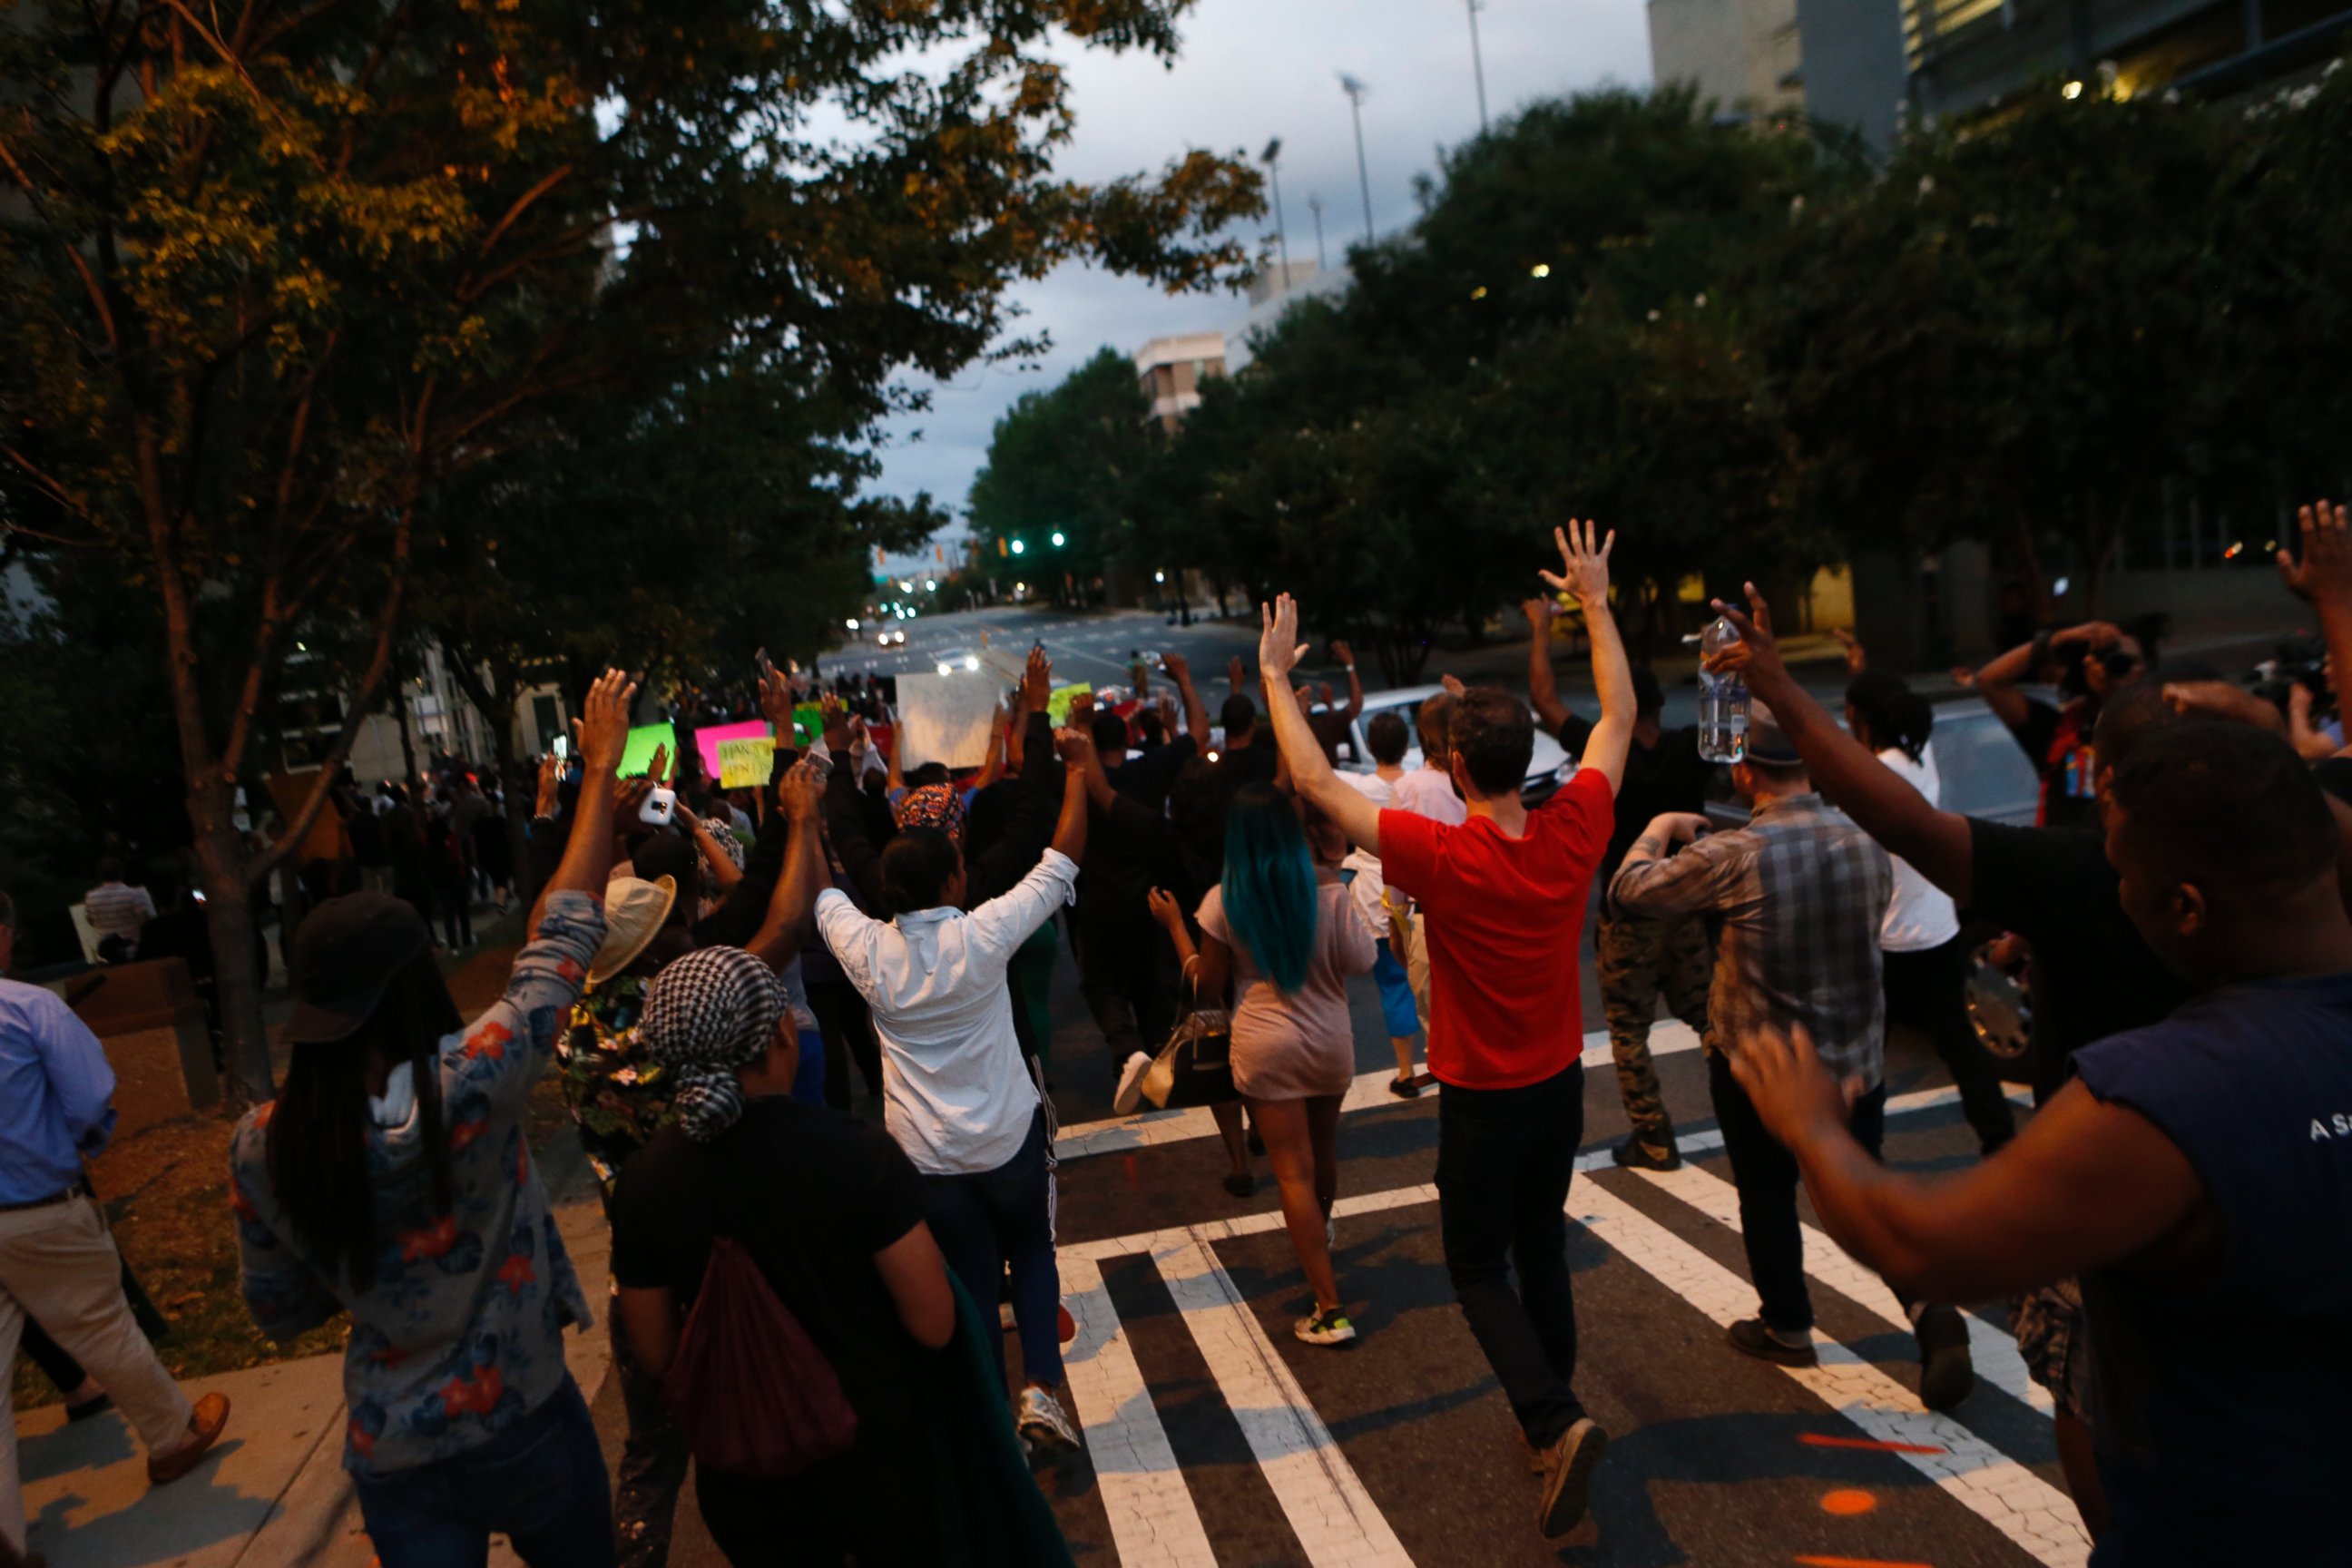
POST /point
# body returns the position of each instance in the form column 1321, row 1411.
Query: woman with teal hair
column 1284, row 928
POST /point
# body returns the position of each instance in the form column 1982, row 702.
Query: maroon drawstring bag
column 748, row 1388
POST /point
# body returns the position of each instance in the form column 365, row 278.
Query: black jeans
column 1927, row 991
column 1124, row 972
column 991, row 1221
column 1766, row 1175
column 1504, row 1157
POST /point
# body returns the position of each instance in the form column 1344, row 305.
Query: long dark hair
column 1891, row 713
column 317, row 1139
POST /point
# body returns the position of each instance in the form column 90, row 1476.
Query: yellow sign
column 746, row 765
column 1057, row 701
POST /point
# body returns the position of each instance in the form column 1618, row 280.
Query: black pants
column 1766, row 1175
column 1124, row 972
column 1927, row 991
column 847, row 1025
column 1504, row 1160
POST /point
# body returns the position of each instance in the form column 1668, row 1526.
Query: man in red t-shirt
column 1504, row 895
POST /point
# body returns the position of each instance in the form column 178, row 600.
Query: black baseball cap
column 346, row 953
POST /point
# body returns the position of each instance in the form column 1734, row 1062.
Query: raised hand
column 1278, row 648
column 1037, row 681
column 656, row 772
column 1540, row 612
column 603, row 732
column 2326, row 564
column 1454, row 687
column 775, row 697
column 1584, row 565
column 1178, row 667
column 1755, row 658
column 1857, row 657
column 1341, row 651
column 799, row 791
column 629, row 798
column 1075, row 745
column 1082, row 709
column 551, row 782
column 1234, row 676
column 835, row 718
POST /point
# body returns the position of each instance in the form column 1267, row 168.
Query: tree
column 272, row 275
column 1067, row 461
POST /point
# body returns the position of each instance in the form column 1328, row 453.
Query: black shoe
column 1405, row 1088
column 1242, row 1185
column 1751, row 1337
column 1635, row 1156
column 1947, row 1375
column 1568, row 1481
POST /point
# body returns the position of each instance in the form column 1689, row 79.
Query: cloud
column 1253, row 71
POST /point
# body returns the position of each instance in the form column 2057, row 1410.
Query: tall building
column 1854, row 67
column 1964, row 55
column 1742, row 55
column 1172, row 369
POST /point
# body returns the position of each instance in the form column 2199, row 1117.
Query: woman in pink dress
column 1287, row 932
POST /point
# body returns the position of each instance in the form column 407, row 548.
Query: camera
column 2300, row 660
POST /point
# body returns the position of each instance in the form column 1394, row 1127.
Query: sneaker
column 1751, row 1337
column 1043, row 1424
column 1947, row 1375
column 1242, row 1185
column 1537, row 1463
column 1568, row 1478
column 1405, row 1088
column 1329, row 1326
column 205, row 1425
column 1130, row 1095
column 1635, row 1156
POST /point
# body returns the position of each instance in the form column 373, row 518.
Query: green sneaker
column 1327, row 1327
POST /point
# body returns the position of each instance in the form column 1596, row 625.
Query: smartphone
column 659, row 807
column 563, row 748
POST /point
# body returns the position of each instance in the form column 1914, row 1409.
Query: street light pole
column 1315, row 206
column 1477, row 62
column 1355, row 91
column 1273, row 158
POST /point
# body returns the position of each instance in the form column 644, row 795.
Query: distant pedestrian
column 116, row 911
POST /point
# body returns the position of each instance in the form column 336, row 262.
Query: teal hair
column 1269, row 885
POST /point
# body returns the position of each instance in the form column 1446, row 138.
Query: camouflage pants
column 1640, row 960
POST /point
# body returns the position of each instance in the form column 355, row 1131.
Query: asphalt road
column 1091, row 645
column 1214, row 1438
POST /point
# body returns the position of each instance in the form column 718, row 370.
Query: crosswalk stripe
column 2004, row 1493
column 1992, row 1350
column 1153, row 1521
column 1369, row 1091
column 1329, row 1510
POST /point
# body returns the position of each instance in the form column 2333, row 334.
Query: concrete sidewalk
column 274, row 1492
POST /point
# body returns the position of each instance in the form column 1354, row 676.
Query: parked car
column 1550, row 768
column 1983, row 768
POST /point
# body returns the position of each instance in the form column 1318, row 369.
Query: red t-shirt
column 1503, row 920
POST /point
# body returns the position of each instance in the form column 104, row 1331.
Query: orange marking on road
column 1848, row 1501
column 1857, row 1563
column 1824, row 1440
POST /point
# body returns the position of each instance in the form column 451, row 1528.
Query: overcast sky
column 1252, row 71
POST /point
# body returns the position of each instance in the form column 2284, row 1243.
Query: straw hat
column 633, row 911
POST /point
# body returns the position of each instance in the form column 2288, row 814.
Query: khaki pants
column 1409, row 940
column 59, row 1265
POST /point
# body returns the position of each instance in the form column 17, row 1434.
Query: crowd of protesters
column 805, row 1304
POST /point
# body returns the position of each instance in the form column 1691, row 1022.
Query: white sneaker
column 1043, row 1425
column 1130, row 1084
column 1325, row 1327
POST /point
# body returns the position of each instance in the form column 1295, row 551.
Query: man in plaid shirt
column 1800, row 894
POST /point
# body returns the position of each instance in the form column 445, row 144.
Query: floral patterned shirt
column 460, row 1336
column 618, row 1095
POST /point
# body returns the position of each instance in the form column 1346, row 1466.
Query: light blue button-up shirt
column 54, row 1087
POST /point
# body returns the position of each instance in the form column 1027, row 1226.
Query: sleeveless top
column 2220, row 1407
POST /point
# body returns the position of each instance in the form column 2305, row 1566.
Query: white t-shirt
column 957, row 1097
column 1369, row 885
column 1426, row 792
column 1920, row 915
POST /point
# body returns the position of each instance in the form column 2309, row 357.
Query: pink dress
column 1294, row 1046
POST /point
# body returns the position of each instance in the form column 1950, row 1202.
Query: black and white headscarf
column 706, row 1014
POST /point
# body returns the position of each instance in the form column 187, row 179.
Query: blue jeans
column 1002, row 1218
column 541, row 1483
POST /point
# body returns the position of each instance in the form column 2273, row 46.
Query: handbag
column 1196, row 1066
column 749, row 1390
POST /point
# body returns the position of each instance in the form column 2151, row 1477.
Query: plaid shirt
column 1799, row 893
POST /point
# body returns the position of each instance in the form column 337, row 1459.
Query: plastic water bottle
column 1722, row 700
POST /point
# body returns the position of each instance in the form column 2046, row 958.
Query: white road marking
column 1121, row 1134
column 1991, row 1349
column 1998, row 1490
column 1154, row 1521
column 1321, row 1495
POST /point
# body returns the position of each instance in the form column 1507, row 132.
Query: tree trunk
column 409, row 774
